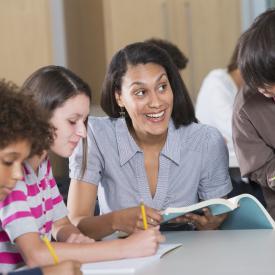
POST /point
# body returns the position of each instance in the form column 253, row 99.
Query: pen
column 271, row 179
column 143, row 213
column 50, row 248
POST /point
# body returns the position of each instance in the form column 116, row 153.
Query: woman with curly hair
column 64, row 99
column 23, row 132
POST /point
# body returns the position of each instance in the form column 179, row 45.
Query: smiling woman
column 156, row 153
column 147, row 96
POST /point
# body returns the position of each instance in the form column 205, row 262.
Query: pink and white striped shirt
column 33, row 206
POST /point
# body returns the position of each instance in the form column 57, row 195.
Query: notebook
column 127, row 266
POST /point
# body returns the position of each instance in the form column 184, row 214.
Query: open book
column 244, row 212
column 127, row 265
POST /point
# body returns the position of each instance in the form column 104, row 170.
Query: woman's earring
column 122, row 112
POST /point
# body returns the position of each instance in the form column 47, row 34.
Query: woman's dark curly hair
column 20, row 119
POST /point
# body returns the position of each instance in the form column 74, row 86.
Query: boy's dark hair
column 20, row 119
column 256, row 58
column 173, row 51
column 142, row 53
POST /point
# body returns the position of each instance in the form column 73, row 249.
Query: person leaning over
column 254, row 107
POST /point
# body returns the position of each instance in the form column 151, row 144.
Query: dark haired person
column 150, row 148
column 173, row 51
column 21, row 131
column 254, row 108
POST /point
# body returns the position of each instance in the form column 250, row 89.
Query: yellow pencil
column 50, row 248
column 143, row 213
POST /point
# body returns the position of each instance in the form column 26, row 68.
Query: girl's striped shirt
column 33, row 206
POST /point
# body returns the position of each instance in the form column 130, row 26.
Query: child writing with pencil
column 35, row 207
column 21, row 128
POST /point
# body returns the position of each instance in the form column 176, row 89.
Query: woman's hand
column 130, row 220
column 203, row 222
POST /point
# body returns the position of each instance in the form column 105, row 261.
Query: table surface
column 245, row 252
column 217, row 252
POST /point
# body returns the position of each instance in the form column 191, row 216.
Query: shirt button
column 43, row 199
column 44, row 212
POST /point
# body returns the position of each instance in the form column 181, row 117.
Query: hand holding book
column 207, row 221
column 201, row 219
column 243, row 212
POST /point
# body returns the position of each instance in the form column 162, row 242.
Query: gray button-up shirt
column 193, row 165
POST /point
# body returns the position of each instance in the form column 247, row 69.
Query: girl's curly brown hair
column 20, row 119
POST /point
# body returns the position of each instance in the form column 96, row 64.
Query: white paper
column 126, row 265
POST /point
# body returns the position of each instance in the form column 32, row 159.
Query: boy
column 254, row 107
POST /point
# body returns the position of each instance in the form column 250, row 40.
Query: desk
column 234, row 252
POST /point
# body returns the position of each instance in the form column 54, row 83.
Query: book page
column 126, row 266
column 217, row 206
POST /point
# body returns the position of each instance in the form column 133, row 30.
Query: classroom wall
column 25, row 27
column 95, row 29
column 205, row 30
column 85, row 42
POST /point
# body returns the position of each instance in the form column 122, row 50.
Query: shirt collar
column 127, row 146
column 171, row 148
column 43, row 170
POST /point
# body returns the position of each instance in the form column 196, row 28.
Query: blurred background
column 84, row 34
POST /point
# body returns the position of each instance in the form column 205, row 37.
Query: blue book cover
column 244, row 212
